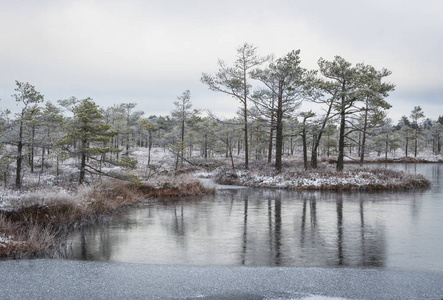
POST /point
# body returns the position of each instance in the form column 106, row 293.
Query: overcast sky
column 150, row 52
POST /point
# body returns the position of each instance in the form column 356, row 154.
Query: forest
column 44, row 136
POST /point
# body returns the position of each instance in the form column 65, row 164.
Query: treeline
column 269, row 124
column 352, row 97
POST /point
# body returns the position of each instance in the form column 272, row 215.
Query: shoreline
column 36, row 223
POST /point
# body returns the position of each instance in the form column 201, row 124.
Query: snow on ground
column 399, row 154
column 43, row 188
column 315, row 179
column 326, row 178
column 4, row 239
column 42, row 185
column 8, row 240
column 10, row 199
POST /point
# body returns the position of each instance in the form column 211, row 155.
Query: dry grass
column 62, row 210
column 18, row 242
column 38, row 221
column 110, row 196
column 178, row 186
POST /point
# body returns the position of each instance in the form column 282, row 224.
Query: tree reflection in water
column 271, row 227
column 261, row 227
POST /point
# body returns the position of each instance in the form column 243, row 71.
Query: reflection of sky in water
column 277, row 227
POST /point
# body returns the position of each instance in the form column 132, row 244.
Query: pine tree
column 89, row 131
column 416, row 115
column 29, row 98
column 234, row 81
column 286, row 80
column 182, row 113
column 373, row 92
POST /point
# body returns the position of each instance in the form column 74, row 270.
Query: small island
column 352, row 179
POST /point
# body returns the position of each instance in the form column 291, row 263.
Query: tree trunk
column 328, row 148
column 31, row 153
column 415, row 142
column 18, row 182
column 182, row 142
column 58, row 165
column 316, row 141
column 206, row 146
column 433, row 145
column 227, row 145
column 341, row 143
column 246, row 142
column 314, row 158
column 149, row 147
column 127, row 144
column 305, row 149
column 117, row 147
column 271, row 136
column 18, row 174
column 314, row 152
column 245, row 113
column 43, row 160
column 83, row 162
column 407, row 144
column 279, row 137
column 363, row 140
column 230, row 155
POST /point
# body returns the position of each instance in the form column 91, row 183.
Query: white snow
column 352, row 177
column 43, row 187
column 6, row 240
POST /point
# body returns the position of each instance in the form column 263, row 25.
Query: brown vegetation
column 38, row 224
column 179, row 186
column 30, row 240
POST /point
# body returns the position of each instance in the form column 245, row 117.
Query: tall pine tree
column 89, row 132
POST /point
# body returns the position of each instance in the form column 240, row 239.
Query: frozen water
column 62, row 279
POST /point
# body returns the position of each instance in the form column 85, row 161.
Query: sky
column 149, row 52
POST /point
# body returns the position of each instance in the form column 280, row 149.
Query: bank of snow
column 350, row 179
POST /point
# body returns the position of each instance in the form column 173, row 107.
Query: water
column 261, row 227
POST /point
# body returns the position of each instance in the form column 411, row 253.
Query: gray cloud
column 149, row 52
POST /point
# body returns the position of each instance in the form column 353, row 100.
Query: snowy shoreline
column 361, row 179
column 31, row 218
